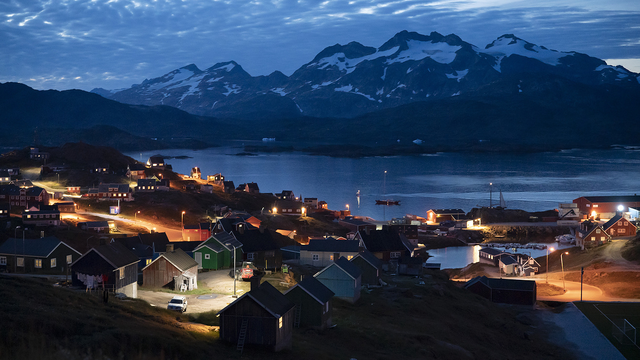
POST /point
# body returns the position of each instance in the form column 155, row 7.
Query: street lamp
column 562, row 264
column 347, row 207
column 235, row 276
column 135, row 216
column 183, row 225
column 490, row 195
column 547, row 279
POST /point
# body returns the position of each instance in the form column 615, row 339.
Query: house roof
column 491, row 251
column 383, row 240
column 186, row 246
column 257, row 240
column 178, row 258
column 218, row 242
column 508, row 260
column 116, row 254
column 609, row 199
column 612, row 222
column 345, row 265
column 448, row 211
column 133, row 243
column 503, row 284
column 158, row 241
column 42, row 247
column 272, row 300
column 370, row 258
column 122, row 188
column 146, row 182
column 315, row 289
column 137, row 167
column 331, row 244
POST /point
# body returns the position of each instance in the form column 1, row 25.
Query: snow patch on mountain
column 343, row 63
column 439, row 52
column 233, row 89
column 228, row 67
column 279, row 91
column 350, row 89
column 458, row 75
column 506, row 46
column 212, row 80
column 171, row 78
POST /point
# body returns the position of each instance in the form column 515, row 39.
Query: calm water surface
column 531, row 182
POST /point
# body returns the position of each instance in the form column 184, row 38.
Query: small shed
column 370, row 267
column 343, row 278
column 313, row 303
column 262, row 316
column 174, row 269
column 506, row 291
column 112, row 264
column 410, row 266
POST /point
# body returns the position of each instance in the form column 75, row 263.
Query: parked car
column 178, row 303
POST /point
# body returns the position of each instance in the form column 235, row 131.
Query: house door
column 199, row 259
column 336, row 256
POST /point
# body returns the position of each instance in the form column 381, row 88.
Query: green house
column 217, row 252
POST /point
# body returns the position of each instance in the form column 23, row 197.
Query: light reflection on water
column 457, row 257
column 532, row 182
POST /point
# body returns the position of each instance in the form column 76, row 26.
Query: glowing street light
column 274, row 210
column 135, row 216
column 552, row 249
column 183, row 224
column 347, row 207
column 562, row 264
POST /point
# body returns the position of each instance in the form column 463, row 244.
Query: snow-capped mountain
column 353, row 79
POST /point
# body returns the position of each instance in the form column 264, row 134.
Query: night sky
column 83, row 44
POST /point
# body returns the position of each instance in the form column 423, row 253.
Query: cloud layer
column 83, row 44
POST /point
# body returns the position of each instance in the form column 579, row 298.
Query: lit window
column 69, row 259
column 593, row 238
column 621, row 231
column 121, row 271
column 37, row 263
column 595, row 205
column 54, row 262
column 280, row 322
column 21, row 262
column 148, row 261
column 349, row 257
column 598, row 231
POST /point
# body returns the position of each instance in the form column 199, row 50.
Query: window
column 595, row 205
column 207, row 256
column 588, row 205
column 395, row 254
column 21, row 262
column 316, row 257
column 602, row 238
column 280, row 323
column 250, row 256
column 593, row 238
column 626, row 223
column 349, row 257
column 37, row 263
column 621, row 231
column 598, row 231
column 3, row 260
column 54, row 262
column 121, row 271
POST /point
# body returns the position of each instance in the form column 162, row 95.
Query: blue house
column 343, row 278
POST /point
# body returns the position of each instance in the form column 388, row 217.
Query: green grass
column 201, row 290
column 630, row 311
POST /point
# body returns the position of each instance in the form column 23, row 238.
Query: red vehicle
column 248, row 271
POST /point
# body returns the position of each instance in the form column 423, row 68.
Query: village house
column 173, row 269
column 262, row 316
column 384, row 244
column 36, row 217
column 289, row 207
column 26, row 197
column 136, row 171
column 313, row 303
column 196, row 232
column 163, row 185
column 110, row 192
column 235, row 217
column 23, row 184
column 216, row 179
column 13, row 171
column 146, row 185
column 262, row 247
column 5, row 210
column 251, row 188
column 343, row 278
column 490, row 255
column 156, row 162
column 228, row 187
column 619, row 226
column 355, row 225
column 73, row 189
column 217, row 252
column 100, row 169
column 196, row 173
column 5, row 178
column 591, row 234
column 47, row 255
column 370, row 268
column 505, row 291
column 437, row 216
column 311, row 203
column 111, row 264
column 36, row 154
column 66, row 207
column 322, row 252
column 94, row 226
column 605, row 207
column 286, row 195
column 408, row 265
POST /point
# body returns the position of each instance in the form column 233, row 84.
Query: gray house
column 343, row 278
column 323, row 252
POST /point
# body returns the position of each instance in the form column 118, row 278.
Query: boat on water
column 388, row 202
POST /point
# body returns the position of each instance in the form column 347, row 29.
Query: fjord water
column 532, row 182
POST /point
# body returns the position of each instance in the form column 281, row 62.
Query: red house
column 605, row 206
column 26, row 197
column 436, row 216
column 619, row 226
column 196, row 232
column 591, row 234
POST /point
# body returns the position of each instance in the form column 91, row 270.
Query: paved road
column 172, row 234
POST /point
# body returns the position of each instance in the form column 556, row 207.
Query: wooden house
column 73, row 189
column 384, row 244
column 217, row 252
column 262, row 247
column 437, row 216
column 506, row 291
column 313, row 303
column 619, row 226
column 370, row 268
column 66, row 207
column 146, row 185
column 94, row 226
column 490, row 255
column 311, row 203
column 606, row 207
column 591, row 234
column 114, row 263
column 156, row 162
column 136, row 171
column 286, row 195
column 289, row 207
column 228, row 187
column 261, row 317
column 41, row 217
column 343, row 278
column 5, row 178
column 196, row 232
column 173, row 269
column 26, row 197
column 46, row 255
column 322, row 252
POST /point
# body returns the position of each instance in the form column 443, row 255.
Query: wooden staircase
column 243, row 335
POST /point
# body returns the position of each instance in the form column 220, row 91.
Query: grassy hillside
column 407, row 319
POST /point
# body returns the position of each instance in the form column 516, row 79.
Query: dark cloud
column 113, row 44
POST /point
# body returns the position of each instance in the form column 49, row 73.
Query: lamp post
column 183, row 225
column 235, row 276
column 135, row 215
column 547, row 279
column 15, row 248
column 347, row 207
column 562, row 264
column 490, row 195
